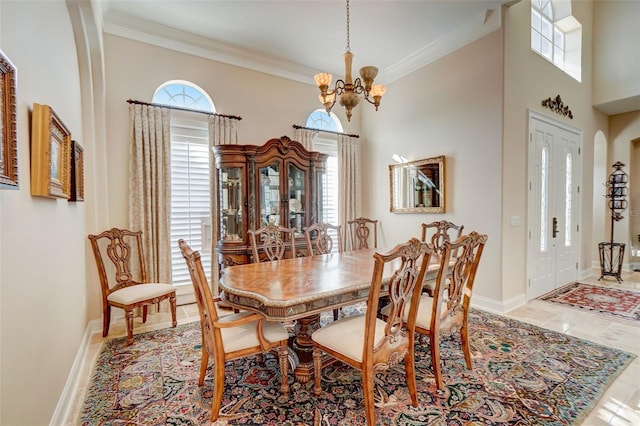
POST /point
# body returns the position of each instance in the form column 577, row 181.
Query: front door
column 554, row 189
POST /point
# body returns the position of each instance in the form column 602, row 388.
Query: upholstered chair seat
column 138, row 293
column 346, row 336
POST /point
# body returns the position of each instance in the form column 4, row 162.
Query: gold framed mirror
column 418, row 186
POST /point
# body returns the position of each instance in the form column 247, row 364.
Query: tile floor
column 620, row 406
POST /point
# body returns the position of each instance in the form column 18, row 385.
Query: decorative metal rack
column 612, row 253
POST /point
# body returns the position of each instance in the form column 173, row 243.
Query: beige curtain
column 348, row 182
column 222, row 131
column 149, row 186
column 305, row 137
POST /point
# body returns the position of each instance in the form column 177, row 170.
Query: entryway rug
column 522, row 375
column 614, row 302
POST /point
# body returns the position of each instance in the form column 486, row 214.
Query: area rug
column 614, row 302
column 522, row 375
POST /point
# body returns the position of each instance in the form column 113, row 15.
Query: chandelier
column 347, row 90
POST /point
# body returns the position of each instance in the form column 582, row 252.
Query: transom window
column 183, row 94
column 190, row 174
column 557, row 36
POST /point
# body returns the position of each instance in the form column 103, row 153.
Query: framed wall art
column 8, row 134
column 77, row 172
column 50, row 154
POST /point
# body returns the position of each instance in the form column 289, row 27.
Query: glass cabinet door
column 270, row 194
column 297, row 183
column 231, row 204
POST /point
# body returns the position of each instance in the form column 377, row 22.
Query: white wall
column 616, row 36
column 529, row 79
column 624, row 129
column 42, row 241
column 451, row 107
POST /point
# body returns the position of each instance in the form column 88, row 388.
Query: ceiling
column 296, row 39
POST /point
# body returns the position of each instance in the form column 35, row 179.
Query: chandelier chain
column 348, row 38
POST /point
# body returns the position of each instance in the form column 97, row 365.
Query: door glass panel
column 544, row 197
column 567, row 202
column 270, row 194
column 231, row 203
column 297, row 196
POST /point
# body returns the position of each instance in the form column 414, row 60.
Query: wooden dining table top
column 295, row 288
column 290, row 289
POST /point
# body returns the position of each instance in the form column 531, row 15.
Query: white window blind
column 190, row 194
column 330, row 192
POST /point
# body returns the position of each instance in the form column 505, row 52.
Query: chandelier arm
column 359, row 88
column 371, row 101
column 339, row 87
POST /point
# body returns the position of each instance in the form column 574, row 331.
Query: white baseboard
column 496, row 306
column 68, row 396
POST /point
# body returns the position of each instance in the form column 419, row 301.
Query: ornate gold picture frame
column 418, row 186
column 50, row 154
column 77, row 172
column 8, row 134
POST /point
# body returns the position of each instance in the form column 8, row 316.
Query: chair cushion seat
column 244, row 336
column 138, row 293
column 346, row 336
column 425, row 310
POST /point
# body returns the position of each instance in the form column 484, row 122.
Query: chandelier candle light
column 347, row 90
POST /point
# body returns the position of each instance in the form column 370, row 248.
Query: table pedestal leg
column 303, row 346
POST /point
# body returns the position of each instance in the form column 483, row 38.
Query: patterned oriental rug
column 614, row 302
column 522, row 375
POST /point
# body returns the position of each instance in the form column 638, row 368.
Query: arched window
column 190, row 173
column 328, row 144
column 184, row 94
column 557, row 36
column 319, row 119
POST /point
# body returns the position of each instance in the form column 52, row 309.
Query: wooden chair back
column 323, row 238
column 271, row 240
column 119, row 258
column 452, row 297
column 409, row 262
column 360, row 230
column 438, row 232
column 204, row 299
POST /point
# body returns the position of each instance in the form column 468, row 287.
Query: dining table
column 300, row 289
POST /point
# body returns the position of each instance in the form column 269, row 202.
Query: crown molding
column 170, row 38
column 182, row 41
column 474, row 29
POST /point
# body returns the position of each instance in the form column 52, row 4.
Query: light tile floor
column 620, row 406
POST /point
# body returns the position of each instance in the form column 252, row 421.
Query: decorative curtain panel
column 348, row 182
column 222, row 131
column 149, row 186
column 305, row 137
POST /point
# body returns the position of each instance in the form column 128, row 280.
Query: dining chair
column 360, row 229
column 320, row 241
column 371, row 344
column 448, row 312
column 436, row 233
column 323, row 238
column 123, row 278
column 271, row 240
column 231, row 336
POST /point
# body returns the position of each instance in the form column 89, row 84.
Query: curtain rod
column 131, row 101
column 295, row 126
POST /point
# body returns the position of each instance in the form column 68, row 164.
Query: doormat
column 613, row 302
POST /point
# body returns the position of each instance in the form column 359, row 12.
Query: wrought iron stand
column 612, row 254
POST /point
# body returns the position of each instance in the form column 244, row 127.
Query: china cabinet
column 279, row 182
